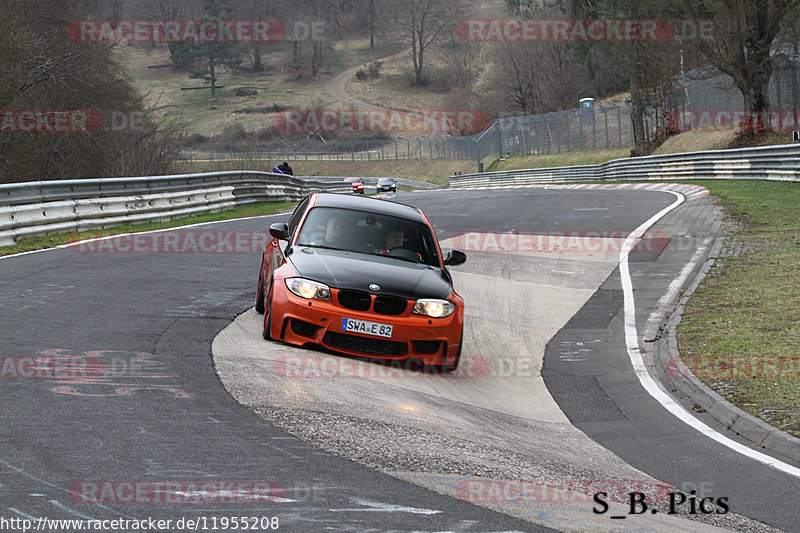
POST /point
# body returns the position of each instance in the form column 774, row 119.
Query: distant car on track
column 362, row 276
column 386, row 185
column 357, row 183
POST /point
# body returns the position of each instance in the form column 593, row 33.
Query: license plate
column 368, row 328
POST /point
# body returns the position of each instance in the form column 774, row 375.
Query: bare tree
column 425, row 23
column 257, row 10
column 525, row 78
column 164, row 10
column 638, row 61
column 744, row 33
column 46, row 71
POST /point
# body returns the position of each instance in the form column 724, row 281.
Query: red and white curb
column 690, row 192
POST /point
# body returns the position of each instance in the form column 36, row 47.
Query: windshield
column 365, row 232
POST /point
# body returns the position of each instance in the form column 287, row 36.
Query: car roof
column 374, row 205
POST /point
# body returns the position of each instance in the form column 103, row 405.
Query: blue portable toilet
column 587, row 110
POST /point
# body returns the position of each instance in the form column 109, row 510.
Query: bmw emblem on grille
column 374, row 287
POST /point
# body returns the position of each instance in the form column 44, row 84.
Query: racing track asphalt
column 161, row 415
column 140, row 403
column 597, row 389
column 602, row 396
column 426, row 413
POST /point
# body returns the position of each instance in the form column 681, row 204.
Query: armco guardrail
column 402, row 182
column 780, row 163
column 37, row 208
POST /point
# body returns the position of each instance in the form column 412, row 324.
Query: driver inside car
column 395, row 238
column 334, row 231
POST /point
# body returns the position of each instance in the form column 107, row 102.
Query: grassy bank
column 740, row 332
column 585, row 157
column 247, row 99
column 431, row 170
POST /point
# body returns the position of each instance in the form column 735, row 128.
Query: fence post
column 569, row 136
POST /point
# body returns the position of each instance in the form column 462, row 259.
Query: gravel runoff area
column 446, row 432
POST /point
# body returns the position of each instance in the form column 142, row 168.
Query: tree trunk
column 414, row 57
column 371, row 24
column 314, row 58
column 418, row 64
column 258, row 66
column 637, row 111
column 213, row 77
column 755, row 91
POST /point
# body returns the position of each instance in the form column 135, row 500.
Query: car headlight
column 434, row 308
column 305, row 288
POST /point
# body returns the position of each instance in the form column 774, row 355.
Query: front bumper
column 433, row 341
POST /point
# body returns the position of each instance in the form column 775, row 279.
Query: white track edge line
column 649, row 384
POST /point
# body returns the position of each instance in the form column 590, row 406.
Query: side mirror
column 455, row 258
column 279, row 230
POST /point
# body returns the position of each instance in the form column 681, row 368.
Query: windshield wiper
column 389, row 255
column 322, row 246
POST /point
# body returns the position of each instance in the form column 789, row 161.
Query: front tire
column 260, row 293
column 267, row 317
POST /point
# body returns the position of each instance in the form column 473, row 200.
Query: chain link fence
column 703, row 98
column 337, row 150
column 708, row 98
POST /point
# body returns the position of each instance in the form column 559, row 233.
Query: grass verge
column 435, row 171
column 562, row 159
column 740, row 332
column 41, row 242
column 247, row 99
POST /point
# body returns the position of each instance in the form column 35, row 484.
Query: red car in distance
column 358, row 184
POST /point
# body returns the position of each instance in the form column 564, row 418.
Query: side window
column 429, row 249
column 297, row 215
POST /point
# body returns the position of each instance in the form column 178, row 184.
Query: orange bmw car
column 361, row 276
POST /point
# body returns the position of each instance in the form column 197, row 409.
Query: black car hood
column 356, row 271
